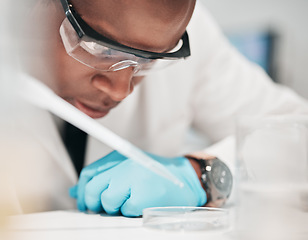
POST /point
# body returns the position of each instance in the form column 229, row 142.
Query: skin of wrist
column 196, row 167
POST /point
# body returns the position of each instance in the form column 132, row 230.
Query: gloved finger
column 92, row 170
column 131, row 209
column 73, row 191
column 145, row 196
column 93, row 190
column 115, row 196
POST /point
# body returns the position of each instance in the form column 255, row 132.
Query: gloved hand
column 117, row 184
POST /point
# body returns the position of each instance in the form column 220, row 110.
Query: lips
column 90, row 111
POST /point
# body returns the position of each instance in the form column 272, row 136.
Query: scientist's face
column 148, row 25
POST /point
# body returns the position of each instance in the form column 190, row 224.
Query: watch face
column 221, row 177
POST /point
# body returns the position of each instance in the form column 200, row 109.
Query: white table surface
column 68, row 225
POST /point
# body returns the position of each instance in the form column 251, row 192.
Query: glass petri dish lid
column 187, row 218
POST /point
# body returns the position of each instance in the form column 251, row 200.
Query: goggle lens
column 95, row 55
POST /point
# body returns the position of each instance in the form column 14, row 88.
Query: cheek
column 70, row 83
column 137, row 80
column 69, row 76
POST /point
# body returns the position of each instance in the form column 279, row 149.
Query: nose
column 117, row 85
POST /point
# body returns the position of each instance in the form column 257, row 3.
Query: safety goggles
column 94, row 50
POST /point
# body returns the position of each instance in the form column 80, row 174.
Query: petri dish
column 187, row 218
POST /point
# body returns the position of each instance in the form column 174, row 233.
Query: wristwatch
column 216, row 178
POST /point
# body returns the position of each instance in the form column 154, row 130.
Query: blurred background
column 273, row 33
column 9, row 139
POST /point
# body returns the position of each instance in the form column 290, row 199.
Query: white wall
column 289, row 18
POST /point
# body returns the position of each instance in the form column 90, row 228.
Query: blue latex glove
column 117, row 184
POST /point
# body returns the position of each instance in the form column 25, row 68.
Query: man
column 106, row 75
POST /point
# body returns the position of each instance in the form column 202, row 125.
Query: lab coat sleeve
column 228, row 86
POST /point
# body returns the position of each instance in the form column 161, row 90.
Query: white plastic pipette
column 39, row 94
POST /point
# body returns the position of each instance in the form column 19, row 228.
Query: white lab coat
column 207, row 91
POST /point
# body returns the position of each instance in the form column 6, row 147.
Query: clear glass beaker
column 272, row 174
